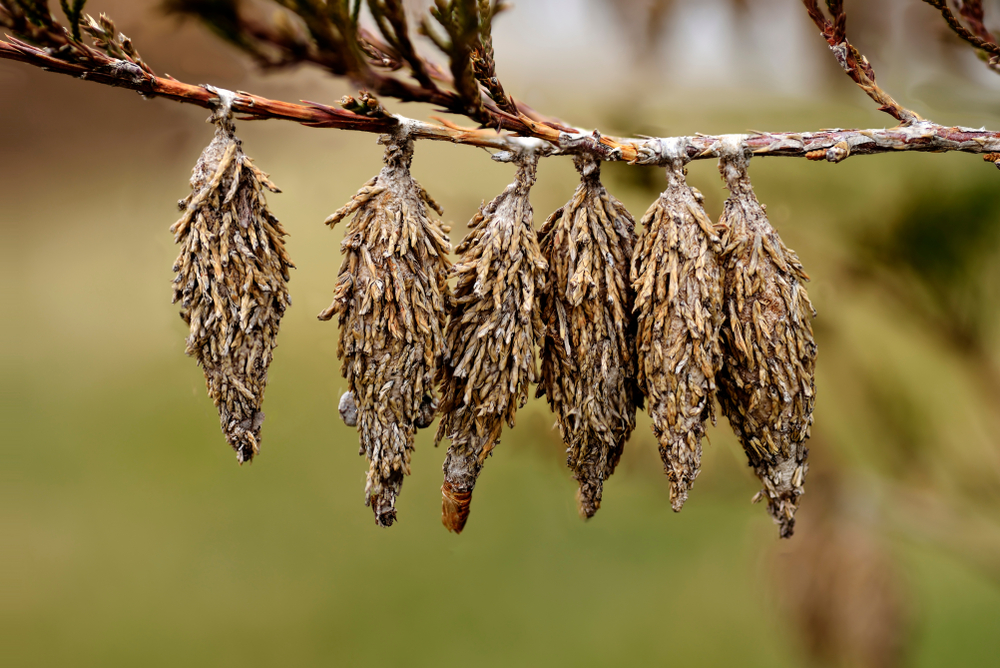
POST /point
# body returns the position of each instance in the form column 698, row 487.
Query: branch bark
column 546, row 137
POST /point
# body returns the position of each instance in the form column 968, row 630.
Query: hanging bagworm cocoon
column 588, row 350
column 391, row 297
column 767, row 386
column 232, row 275
column 677, row 276
column 491, row 337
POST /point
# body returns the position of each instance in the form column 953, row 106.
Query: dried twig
column 977, row 34
column 972, row 12
column 855, row 65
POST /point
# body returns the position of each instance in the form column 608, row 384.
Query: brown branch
column 122, row 74
column 483, row 63
column 281, row 44
column 977, row 34
column 390, row 15
column 830, row 145
column 854, row 64
column 984, row 42
column 972, row 12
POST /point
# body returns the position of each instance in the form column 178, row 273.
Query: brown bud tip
column 455, row 504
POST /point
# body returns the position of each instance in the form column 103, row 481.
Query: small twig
column 977, row 34
column 983, row 41
column 972, row 12
column 460, row 21
column 483, row 63
column 855, row 65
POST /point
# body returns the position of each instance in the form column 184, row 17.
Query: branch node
column 662, row 151
column 523, row 148
column 838, row 152
column 222, row 105
column 731, row 147
column 588, row 143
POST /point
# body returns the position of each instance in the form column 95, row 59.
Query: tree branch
column 855, row 65
column 115, row 62
column 830, row 145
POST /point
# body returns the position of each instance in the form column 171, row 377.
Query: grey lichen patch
column 588, row 348
column 232, row 275
column 677, row 275
column 348, row 409
column 491, row 337
column 391, row 298
column 767, row 385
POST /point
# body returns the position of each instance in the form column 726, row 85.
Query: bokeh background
column 131, row 537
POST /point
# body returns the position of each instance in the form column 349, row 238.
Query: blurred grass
column 131, row 536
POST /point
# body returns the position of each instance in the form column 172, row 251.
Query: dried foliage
column 588, row 349
column 231, row 281
column 677, row 276
column 390, row 296
column 491, row 337
column 767, row 385
column 112, row 53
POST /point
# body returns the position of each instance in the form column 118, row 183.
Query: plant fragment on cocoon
column 491, row 338
column 232, row 275
column 767, row 386
column 677, row 276
column 588, row 348
column 391, row 298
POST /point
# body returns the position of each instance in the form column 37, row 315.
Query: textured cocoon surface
column 232, row 275
column 588, row 348
column 677, row 276
column 491, row 337
column 767, row 386
column 391, row 299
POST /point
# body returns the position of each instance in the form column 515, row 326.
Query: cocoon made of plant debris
column 391, row 299
column 588, row 349
column 232, row 275
column 767, row 386
column 677, row 276
column 491, row 337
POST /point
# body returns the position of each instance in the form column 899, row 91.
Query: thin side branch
column 972, row 12
column 854, row 63
column 976, row 34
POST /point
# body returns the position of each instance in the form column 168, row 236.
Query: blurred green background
column 131, row 537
